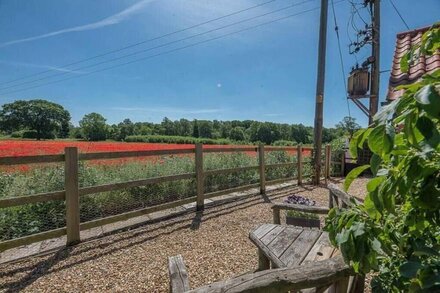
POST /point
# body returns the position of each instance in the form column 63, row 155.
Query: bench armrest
column 317, row 274
column 179, row 281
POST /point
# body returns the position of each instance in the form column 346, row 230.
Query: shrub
column 176, row 139
column 396, row 231
column 284, row 143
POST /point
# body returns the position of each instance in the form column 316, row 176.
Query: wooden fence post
column 199, row 176
column 262, row 169
column 72, row 195
column 299, row 163
column 327, row 162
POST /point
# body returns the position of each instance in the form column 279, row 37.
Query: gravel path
column 136, row 260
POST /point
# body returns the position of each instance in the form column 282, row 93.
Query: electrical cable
column 174, row 50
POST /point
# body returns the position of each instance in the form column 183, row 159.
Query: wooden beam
column 262, row 163
column 72, row 195
column 200, row 179
column 118, row 155
column 25, row 240
column 31, row 160
column 34, row 198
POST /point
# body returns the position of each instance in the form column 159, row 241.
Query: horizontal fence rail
column 72, row 192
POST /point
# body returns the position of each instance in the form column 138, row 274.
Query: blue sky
column 266, row 74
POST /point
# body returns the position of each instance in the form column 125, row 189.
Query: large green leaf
column 354, row 142
column 353, row 175
column 409, row 269
column 429, row 98
column 381, row 139
column 375, row 163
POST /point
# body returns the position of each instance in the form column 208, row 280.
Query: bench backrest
column 339, row 198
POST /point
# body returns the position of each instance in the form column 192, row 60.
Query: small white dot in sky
column 219, row 85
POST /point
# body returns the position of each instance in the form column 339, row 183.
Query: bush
column 31, row 134
column 284, row 143
column 176, row 139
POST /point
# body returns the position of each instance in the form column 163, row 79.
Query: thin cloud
column 60, row 69
column 169, row 110
column 111, row 20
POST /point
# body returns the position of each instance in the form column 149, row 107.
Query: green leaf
column 375, row 162
column 409, row 269
column 404, row 62
column 374, row 183
column 429, row 131
column 353, row 175
column 354, row 142
column 381, row 139
column 429, row 98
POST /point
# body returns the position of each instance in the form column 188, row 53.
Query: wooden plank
column 279, row 165
column 200, row 179
column 262, row 170
column 134, row 183
column 136, row 213
column 320, row 251
column 269, row 237
column 284, row 240
column 8, row 244
column 230, row 170
column 276, row 216
column 283, row 279
column 179, row 282
column 301, row 208
column 230, row 150
column 71, row 185
column 298, row 250
column 28, row 199
column 31, row 159
column 262, row 230
column 230, row 190
column 117, row 155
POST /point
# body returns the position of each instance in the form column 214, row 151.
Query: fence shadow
column 114, row 242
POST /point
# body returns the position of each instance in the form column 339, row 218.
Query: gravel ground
column 215, row 248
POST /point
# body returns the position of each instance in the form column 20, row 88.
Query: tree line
column 41, row 119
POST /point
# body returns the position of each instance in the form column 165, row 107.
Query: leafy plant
column 396, row 231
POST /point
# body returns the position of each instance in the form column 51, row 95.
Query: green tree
column 205, row 128
column 348, row 126
column 93, row 127
column 124, row 129
column 47, row 119
column 237, row 133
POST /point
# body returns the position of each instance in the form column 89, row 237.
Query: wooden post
column 262, row 169
column 199, row 177
column 299, row 163
column 72, row 195
column 276, row 216
column 327, row 162
column 263, row 261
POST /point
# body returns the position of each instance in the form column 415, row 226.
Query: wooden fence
column 72, row 192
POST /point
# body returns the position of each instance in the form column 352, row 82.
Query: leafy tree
column 396, row 231
column 237, row 133
column 93, row 127
column 205, row 129
column 124, row 129
column 195, row 129
column 43, row 117
column 301, row 134
column 348, row 126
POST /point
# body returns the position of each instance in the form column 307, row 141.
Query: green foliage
column 45, row 118
column 348, row 126
column 396, row 231
column 93, row 127
column 175, row 139
column 284, row 143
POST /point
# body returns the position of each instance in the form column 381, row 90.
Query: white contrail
column 54, row 68
column 111, row 20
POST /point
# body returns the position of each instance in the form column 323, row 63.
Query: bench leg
column 263, row 261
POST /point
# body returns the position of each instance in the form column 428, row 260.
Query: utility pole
column 320, row 91
column 375, row 67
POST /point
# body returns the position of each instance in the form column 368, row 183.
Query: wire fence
column 109, row 185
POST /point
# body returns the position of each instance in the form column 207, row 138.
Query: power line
column 174, row 50
column 398, row 13
column 340, row 55
column 142, row 42
column 153, row 48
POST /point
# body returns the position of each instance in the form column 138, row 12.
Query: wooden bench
column 301, row 258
